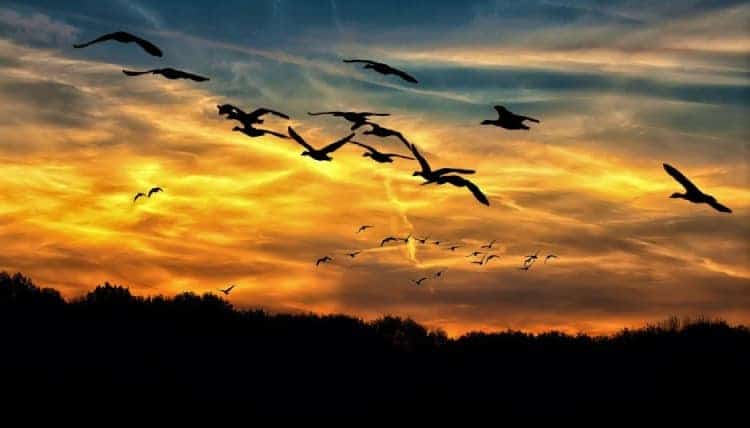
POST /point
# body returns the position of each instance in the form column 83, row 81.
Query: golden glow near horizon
column 78, row 140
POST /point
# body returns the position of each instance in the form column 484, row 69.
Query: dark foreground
column 111, row 346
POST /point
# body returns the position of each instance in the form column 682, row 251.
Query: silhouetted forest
column 109, row 345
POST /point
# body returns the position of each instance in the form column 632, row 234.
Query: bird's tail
column 82, row 45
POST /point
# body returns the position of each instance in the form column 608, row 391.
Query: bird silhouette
column 490, row 257
column 325, row 259
column 490, row 244
column 389, row 239
column 475, row 253
column 169, row 73
column 247, row 119
column 383, row 69
column 549, row 256
column 379, row 157
column 692, row 193
column 321, row 154
column 123, row 37
column 509, row 120
column 422, row 240
column 438, row 242
column 453, row 247
column 353, row 254
column 364, row 227
column 383, row 132
column 138, row 195
column 531, row 258
column 257, row 132
column 480, row 262
column 439, row 274
column 356, row 118
column 459, row 181
column 227, row 290
column 419, row 281
column 428, row 174
column 154, row 190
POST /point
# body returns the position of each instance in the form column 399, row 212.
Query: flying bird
column 692, row 193
column 490, row 244
column 475, row 253
column 321, row 154
column 439, row 274
column 138, row 195
column 549, row 256
column 364, row 227
column 509, row 120
column 377, row 156
column 428, row 174
column 490, row 257
column 154, row 190
column 353, row 254
column 389, row 239
column 257, row 132
column 480, row 262
column 459, row 181
column 423, row 240
column 383, row 69
column 531, row 258
column 123, row 37
column 437, row 242
column 169, row 73
column 383, row 132
column 356, row 118
column 325, row 259
column 419, row 281
column 247, row 119
column 453, row 247
column 227, row 290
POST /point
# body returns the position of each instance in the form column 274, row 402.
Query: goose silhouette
column 692, row 193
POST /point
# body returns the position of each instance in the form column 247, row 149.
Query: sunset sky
column 620, row 87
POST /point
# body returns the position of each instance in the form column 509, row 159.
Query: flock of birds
column 480, row 256
column 440, row 176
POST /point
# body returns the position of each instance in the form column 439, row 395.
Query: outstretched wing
column 401, row 137
column 443, row 171
column 274, row 133
column 477, row 192
column 396, row 155
column 719, row 207
column 299, row 139
column 366, row 61
column 261, row 111
column 462, row 182
column 336, row 145
column 404, row 75
column 323, row 112
column 677, row 175
column 103, row 38
column 147, row 46
column 138, row 73
column 367, row 113
column 191, row 76
column 529, row 119
column 371, row 149
column 422, row 161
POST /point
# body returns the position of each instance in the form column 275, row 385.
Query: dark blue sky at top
column 316, row 29
column 277, row 21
